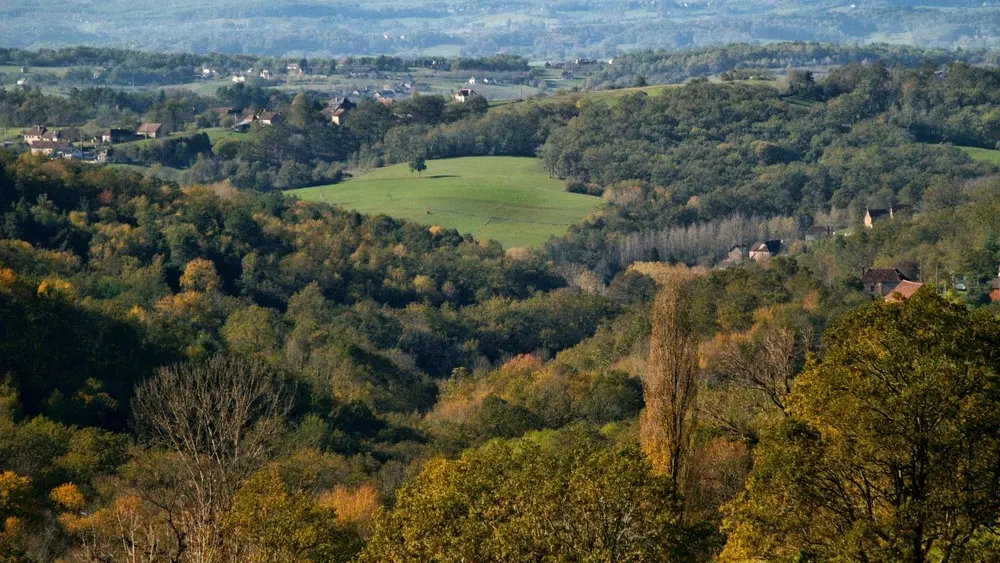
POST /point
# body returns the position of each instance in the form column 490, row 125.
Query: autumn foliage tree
column 891, row 450
column 15, row 500
column 271, row 522
column 670, row 383
column 200, row 275
column 519, row 501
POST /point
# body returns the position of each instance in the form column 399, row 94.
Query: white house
column 464, row 94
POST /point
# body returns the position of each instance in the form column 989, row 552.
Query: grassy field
column 982, row 155
column 214, row 134
column 511, row 200
column 11, row 134
column 15, row 133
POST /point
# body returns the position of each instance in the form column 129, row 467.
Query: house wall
column 883, row 288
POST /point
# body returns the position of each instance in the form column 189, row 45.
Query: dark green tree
column 418, row 164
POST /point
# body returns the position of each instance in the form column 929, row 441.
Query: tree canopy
column 889, row 450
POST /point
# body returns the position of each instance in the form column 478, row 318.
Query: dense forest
column 210, row 370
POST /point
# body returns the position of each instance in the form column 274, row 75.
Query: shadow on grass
column 442, row 176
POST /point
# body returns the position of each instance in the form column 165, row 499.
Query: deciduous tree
column 891, row 451
column 521, row 501
column 670, row 383
column 216, row 424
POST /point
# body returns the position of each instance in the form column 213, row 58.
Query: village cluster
column 42, row 140
column 889, row 284
column 50, row 142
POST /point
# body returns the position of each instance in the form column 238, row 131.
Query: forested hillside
column 774, row 340
column 704, row 155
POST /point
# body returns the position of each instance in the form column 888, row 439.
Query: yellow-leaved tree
column 891, row 447
column 271, row 522
column 670, row 382
column 201, row 276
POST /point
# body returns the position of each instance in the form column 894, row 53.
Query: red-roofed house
column 150, row 130
column 882, row 281
column 903, row 291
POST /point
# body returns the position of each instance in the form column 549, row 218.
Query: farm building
column 35, row 134
column 873, row 216
column 766, row 249
column 464, row 94
column 882, row 281
column 150, row 130
column 112, row 136
column 903, row 291
column 270, row 118
column 55, row 149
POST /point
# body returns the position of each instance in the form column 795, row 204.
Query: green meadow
column 982, row 155
column 508, row 199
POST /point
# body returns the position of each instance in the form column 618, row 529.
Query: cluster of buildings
column 338, row 108
column 473, row 81
column 888, row 284
column 292, row 70
column 770, row 248
column 387, row 94
column 51, row 142
column 264, row 118
column 117, row 135
column 241, row 77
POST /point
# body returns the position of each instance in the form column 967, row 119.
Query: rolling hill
column 508, row 199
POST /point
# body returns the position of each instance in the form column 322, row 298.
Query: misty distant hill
column 546, row 29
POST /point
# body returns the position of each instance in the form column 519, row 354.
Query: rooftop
column 903, row 291
column 883, row 275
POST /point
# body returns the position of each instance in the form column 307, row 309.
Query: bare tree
column 765, row 364
column 703, row 243
column 752, row 377
column 217, row 423
column 670, row 388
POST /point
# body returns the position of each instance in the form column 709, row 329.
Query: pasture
column 982, row 155
column 508, row 199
